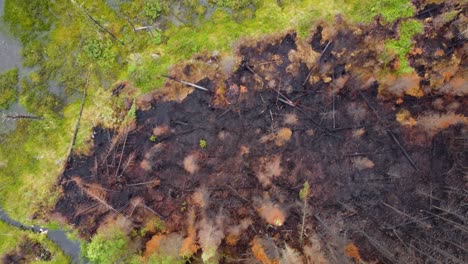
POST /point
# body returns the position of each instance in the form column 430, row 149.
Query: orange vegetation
column 352, row 251
column 189, row 245
column 271, row 212
column 259, row 252
column 153, row 245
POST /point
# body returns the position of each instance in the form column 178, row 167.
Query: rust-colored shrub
column 352, row 251
column 189, row 244
column 432, row 123
column 270, row 212
column 153, row 245
column 268, row 168
column 259, row 252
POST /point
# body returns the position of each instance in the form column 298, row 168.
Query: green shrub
column 107, row 248
column 8, row 92
column 152, row 9
column 202, row 143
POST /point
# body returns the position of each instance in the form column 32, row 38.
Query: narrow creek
column 10, row 57
column 59, row 237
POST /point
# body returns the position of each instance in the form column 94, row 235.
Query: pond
column 10, row 57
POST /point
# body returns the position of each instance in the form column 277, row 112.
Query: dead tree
column 18, row 116
column 77, row 127
column 97, row 23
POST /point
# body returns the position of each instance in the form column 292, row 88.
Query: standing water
column 10, row 57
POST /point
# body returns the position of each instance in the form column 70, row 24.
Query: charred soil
column 386, row 165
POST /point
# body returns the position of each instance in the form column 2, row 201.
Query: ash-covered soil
column 385, row 154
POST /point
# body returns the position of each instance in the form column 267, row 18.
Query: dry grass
column 314, row 252
column 290, row 256
column 161, row 130
column 404, row 118
column 284, row 135
column 358, row 133
column 153, row 245
column 432, row 123
column 189, row 244
column 362, row 163
column 290, row 119
column 352, row 251
column 272, row 213
column 234, row 232
column 268, row 168
column 457, row 86
column 191, row 163
column 259, row 253
column 200, row 197
column 407, row 84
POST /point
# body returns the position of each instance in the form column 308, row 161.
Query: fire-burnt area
column 293, row 111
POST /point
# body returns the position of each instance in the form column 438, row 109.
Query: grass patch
column 391, row 10
column 8, row 83
column 401, row 46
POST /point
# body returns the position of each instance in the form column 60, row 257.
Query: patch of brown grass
column 189, row 244
column 272, row 213
column 352, row 251
column 161, row 130
column 269, row 167
column 259, row 252
column 153, row 245
column 191, row 163
column 234, row 232
column 432, row 123
column 362, row 163
column 290, row 119
column 283, row 135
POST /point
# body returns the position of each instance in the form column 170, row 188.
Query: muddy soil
column 296, row 111
column 27, row 251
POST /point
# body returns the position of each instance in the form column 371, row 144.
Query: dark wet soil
column 397, row 192
column 27, row 251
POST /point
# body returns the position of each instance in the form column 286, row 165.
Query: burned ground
column 27, row 251
column 381, row 177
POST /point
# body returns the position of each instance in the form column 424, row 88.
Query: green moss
column 391, row 10
column 8, row 83
column 401, row 46
column 234, row 4
column 27, row 18
column 152, row 9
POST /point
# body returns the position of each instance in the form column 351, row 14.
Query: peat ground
column 384, row 154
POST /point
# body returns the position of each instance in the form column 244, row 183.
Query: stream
column 59, row 237
column 10, row 57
